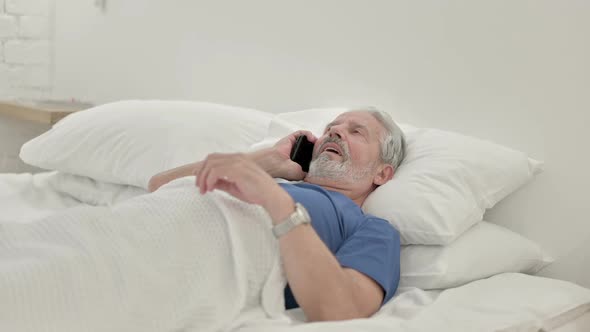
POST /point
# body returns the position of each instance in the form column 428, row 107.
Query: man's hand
column 242, row 178
column 286, row 168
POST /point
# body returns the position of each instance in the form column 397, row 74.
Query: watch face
column 298, row 217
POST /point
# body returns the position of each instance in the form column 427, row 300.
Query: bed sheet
column 510, row 302
column 28, row 197
column 580, row 324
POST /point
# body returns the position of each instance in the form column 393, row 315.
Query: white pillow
column 483, row 251
column 444, row 185
column 282, row 124
column 127, row 142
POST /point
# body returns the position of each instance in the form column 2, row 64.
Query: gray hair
column 393, row 142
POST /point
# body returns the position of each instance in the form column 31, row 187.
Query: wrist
column 268, row 159
column 280, row 206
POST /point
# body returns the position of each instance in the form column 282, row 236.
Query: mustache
column 336, row 140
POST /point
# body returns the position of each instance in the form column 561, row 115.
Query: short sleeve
column 374, row 250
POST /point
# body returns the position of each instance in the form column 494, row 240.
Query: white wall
column 26, row 49
column 516, row 72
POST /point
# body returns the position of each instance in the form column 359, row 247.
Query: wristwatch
column 298, row 217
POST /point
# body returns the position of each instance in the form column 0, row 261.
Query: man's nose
column 335, row 131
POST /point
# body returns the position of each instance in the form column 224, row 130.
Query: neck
column 357, row 196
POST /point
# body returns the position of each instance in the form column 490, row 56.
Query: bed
column 66, row 227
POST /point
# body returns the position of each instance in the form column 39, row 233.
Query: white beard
column 324, row 167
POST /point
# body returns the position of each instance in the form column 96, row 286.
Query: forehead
column 365, row 119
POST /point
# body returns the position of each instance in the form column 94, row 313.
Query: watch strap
column 298, row 217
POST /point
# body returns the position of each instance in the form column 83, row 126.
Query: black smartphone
column 301, row 152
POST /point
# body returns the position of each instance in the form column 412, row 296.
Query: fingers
column 214, row 177
column 217, row 168
column 310, row 136
column 211, row 162
column 237, row 175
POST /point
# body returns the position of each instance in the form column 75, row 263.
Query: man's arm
column 324, row 289
column 162, row 178
column 275, row 161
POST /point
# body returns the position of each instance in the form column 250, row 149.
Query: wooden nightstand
column 22, row 121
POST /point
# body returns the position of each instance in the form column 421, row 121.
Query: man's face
column 349, row 149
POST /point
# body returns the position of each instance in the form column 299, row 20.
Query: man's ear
column 384, row 174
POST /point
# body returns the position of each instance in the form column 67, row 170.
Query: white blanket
column 170, row 261
column 27, row 197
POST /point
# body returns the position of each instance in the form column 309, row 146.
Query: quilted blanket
column 173, row 260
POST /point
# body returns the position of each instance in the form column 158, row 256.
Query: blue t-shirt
column 359, row 241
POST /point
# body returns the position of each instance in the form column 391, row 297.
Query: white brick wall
column 25, row 49
column 9, row 76
column 34, row 27
column 26, row 52
column 28, row 7
column 36, row 77
column 8, row 26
